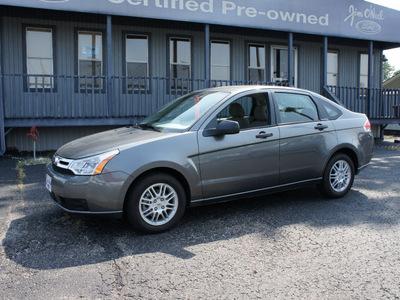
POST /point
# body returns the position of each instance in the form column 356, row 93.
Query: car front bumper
column 100, row 194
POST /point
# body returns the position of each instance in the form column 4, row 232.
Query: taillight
column 367, row 126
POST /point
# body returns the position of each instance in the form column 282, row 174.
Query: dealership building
column 73, row 67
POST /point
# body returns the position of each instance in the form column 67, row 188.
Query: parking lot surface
column 289, row 245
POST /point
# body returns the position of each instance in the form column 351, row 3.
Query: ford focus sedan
column 212, row 145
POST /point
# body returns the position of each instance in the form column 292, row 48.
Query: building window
column 280, row 65
column 332, row 68
column 90, row 59
column 137, row 61
column 256, row 62
column 39, row 57
column 220, row 60
column 180, row 62
column 363, row 70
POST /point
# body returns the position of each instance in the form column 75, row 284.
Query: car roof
column 235, row 89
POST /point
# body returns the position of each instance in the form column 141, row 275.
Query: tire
column 338, row 176
column 156, row 203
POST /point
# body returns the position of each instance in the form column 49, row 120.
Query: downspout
column 109, row 67
column 2, row 128
column 324, row 84
column 370, row 77
column 325, row 63
column 290, row 58
column 207, row 54
column 381, row 60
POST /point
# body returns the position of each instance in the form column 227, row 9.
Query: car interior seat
column 261, row 117
column 237, row 114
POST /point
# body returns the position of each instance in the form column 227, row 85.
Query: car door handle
column 320, row 127
column 263, row 135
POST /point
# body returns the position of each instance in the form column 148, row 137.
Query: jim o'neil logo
column 366, row 25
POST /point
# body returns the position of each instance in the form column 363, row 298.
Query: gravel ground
column 288, row 245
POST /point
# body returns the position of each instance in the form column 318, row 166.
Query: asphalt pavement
column 291, row 245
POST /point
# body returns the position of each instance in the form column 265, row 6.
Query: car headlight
column 91, row 165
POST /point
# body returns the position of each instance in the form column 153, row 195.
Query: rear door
column 305, row 139
column 247, row 161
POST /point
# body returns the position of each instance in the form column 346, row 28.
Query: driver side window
column 249, row 111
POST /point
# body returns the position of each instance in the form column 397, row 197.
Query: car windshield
column 183, row 112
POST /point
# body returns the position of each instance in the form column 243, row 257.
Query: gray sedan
column 212, row 145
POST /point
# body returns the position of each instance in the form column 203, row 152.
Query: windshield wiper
column 144, row 126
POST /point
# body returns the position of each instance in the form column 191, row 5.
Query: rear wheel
column 338, row 176
column 156, row 203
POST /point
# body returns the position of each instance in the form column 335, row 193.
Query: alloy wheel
column 340, row 176
column 158, row 204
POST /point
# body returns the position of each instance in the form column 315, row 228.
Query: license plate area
column 48, row 183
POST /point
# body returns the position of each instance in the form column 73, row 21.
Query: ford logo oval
column 368, row 27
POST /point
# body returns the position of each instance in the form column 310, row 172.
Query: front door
column 242, row 162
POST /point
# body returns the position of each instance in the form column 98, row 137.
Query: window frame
column 278, row 115
column 26, row 85
column 295, row 62
column 247, row 66
column 221, row 41
column 147, row 89
column 174, row 90
column 102, row 88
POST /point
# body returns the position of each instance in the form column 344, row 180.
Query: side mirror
column 224, row 127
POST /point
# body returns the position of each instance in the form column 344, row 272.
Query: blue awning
column 341, row 18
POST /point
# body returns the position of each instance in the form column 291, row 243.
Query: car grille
column 61, row 164
column 62, row 171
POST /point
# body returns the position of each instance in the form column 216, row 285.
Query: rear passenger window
column 295, row 108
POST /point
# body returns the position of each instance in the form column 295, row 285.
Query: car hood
column 121, row 138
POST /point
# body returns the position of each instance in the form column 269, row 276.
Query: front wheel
column 338, row 176
column 156, row 203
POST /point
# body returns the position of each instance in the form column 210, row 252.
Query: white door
column 280, row 65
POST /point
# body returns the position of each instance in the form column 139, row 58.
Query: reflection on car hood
column 108, row 140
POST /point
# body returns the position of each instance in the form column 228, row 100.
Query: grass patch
column 28, row 162
column 32, row 162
